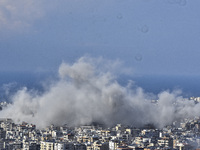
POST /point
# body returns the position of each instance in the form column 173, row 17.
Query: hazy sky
column 150, row 36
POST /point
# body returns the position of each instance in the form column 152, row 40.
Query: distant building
column 46, row 145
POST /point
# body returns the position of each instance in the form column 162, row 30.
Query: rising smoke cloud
column 85, row 94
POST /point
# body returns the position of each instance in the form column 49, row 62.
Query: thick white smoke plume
column 84, row 94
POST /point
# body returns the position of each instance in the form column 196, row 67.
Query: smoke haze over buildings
column 87, row 91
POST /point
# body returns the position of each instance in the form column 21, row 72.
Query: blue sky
column 154, row 37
